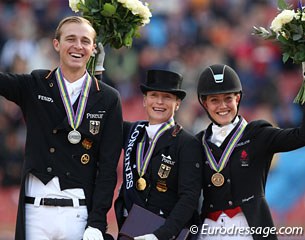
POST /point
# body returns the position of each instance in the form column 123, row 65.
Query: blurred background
column 183, row 36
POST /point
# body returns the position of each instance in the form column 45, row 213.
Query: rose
column 137, row 8
column 116, row 22
column 284, row 17
column 73, row 4
column 288, row 30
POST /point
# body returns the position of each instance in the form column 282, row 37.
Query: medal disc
column 217, row 179
column 141, row 184
column 74, row 137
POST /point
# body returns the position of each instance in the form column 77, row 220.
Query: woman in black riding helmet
column 238, row 155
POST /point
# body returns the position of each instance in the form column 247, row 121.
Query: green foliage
column 288, row 30
column 115, row 24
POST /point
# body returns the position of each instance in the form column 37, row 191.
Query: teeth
column 77, row 55
column 223, row 113
column 159, row 109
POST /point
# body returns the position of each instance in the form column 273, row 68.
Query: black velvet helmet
column 163, row 81
column 218, row 79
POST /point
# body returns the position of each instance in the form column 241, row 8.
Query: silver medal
column 74, row 137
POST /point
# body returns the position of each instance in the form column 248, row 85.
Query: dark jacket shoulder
column 41, row 73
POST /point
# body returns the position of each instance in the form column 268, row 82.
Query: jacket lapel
column 164, row 141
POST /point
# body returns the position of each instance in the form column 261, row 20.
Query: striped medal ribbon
column 74, row 119
column 143, row 161
column 217, row 178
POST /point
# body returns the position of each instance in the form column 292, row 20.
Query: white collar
column 74, row 88
column 151, row 130
column 219, row 134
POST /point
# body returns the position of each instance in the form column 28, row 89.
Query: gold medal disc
column 141, row 184
column 217, row 179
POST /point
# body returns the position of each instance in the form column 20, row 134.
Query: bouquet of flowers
column 288, row 29
column 116, row 22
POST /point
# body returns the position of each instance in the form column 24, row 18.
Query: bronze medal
column 217, row 179
column 141, row 184
column 85, row 158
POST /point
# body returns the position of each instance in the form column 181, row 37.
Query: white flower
column 73, row 4
column 114, row 30
column 137, row 8
column 284, row 17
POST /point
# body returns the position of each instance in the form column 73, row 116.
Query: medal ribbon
column 228, row 150
column 142, row 161
column 74, row 119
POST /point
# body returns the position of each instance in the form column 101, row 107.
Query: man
column 74, row 138
column 162, row 164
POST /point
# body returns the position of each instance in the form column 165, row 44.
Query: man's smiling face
column 75, row 46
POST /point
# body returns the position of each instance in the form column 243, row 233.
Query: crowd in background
column 183, row 36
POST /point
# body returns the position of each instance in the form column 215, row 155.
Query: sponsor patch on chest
column 45, row 98
column 167, row 160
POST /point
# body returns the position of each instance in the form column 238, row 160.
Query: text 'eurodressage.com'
column 245, row 231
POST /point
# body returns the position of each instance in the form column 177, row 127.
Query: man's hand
column 93, row 234
column 100, row 58
column 146, row 237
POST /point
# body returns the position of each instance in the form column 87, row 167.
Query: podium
column 140, row 221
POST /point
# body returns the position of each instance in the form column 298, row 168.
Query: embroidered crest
column 94, row 127
column 244, row 158
column 164, row 171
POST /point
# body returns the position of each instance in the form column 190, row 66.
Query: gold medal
column 217, row 179
column 141, row 184
column 85, row 158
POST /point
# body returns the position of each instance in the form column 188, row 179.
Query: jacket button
column 228, row 180
column 52, row 150
column 209, row 185
column 68, row 174
column 211, row 206
column 49, row 169
column 54, row 131
column 230, row 203
column 51, row 84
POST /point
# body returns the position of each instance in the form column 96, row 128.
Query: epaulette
column 49, row 74
column 96, row 83
column 176, row 130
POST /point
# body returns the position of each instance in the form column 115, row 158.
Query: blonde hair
column 72, row 19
